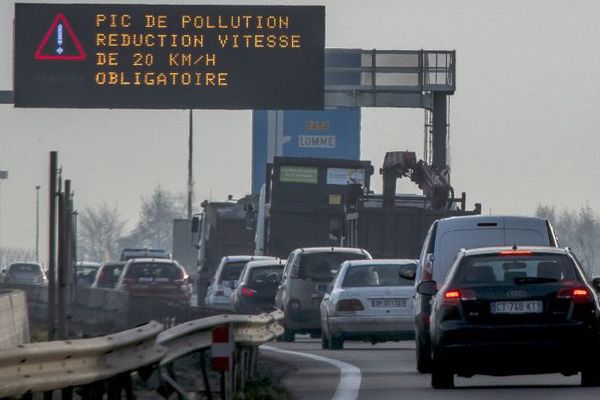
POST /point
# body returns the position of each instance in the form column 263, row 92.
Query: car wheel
column 441, row 374
column 590, row 375
column 423, row 354
column 288, row 336
column 336, row 343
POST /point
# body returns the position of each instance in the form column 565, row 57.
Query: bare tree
column 578, row 230
column 9, row 255
column 155, row 226
column 99, row 232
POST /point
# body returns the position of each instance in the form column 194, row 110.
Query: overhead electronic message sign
column 169, row 56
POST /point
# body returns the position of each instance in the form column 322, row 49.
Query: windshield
column 502, row 270
column 25, row 268
column 154, row 270
column 322, row 266
column 259, row 275
column 375, row 275
column 232, row 270
column 110, row 274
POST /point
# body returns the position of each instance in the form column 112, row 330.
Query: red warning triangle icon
column 60, row 42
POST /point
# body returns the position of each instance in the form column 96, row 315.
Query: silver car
column 26, row 273
column 306, row 276
column 369, row 300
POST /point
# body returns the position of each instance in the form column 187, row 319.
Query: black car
column 508, row 311
column 257, row 286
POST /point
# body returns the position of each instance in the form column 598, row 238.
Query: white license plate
column 517, row 307
column 388, row 302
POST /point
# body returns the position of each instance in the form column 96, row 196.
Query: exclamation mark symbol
column 59, row 39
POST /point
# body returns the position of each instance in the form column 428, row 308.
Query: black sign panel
column 169, row 56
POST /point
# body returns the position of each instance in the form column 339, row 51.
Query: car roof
column 331, row 249
column 152, row 260
column 87, row 264
column 381, row 261
column 25, row 263
column 246, row 258
column 113, row 263
column 486, row 218
column 534, row 249
column 263, row 263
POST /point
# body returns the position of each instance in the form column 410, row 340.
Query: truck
column 326, row 202
column 223, row 228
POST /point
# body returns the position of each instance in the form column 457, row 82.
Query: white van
column 447, row 236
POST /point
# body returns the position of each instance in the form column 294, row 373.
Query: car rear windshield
column 232, row 271
column 110, row 274
column 259, row 275
column 26, row 268
column 375, row 275
column 506, row 270
column 154, row 270
column 322, row 266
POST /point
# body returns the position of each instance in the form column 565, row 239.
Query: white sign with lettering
column 345, row 176
column 319, row 141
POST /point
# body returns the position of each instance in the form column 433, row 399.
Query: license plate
column 389, row 302
column 516, row 307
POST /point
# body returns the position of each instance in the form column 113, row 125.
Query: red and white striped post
column 222, row 349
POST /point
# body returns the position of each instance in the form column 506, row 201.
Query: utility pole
column 37, row 223
column 52, row 246
column 190, row 169
column 3, row 176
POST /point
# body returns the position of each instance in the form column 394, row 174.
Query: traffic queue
column 492, row 295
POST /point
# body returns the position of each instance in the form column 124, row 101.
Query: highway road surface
column 387, row 371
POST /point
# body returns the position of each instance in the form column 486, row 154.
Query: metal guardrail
column 41, row 367
column 14, row 321
column 49, row 366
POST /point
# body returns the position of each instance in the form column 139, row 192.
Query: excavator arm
column 434, row 184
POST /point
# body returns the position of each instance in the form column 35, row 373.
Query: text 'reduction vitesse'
column 188, row 64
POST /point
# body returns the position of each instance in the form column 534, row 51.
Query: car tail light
column 349, row 305
column 247, row 292
column 454, row 296
column 578, row 294
column 516, row 253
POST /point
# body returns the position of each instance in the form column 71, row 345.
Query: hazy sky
column 524, row 119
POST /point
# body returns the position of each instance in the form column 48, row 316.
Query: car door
column 279, row 297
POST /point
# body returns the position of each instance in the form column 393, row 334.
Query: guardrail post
column 67, row 393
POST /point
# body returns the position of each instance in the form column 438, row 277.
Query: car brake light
column 516, row 253
column 578, row 295
column 248, row 292
column 453, row 296
column 349, row 305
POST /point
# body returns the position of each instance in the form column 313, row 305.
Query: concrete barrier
column 14, row 319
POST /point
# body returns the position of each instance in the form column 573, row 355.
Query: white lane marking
column 350, row 375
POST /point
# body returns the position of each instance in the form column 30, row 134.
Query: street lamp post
column 37, row 223
column 3, row 176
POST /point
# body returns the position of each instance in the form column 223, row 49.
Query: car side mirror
column 408, row 271
column 596, row 283
column 427, row 288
